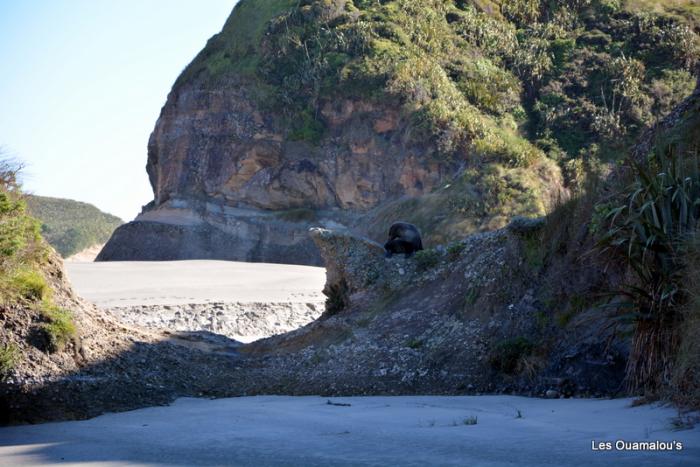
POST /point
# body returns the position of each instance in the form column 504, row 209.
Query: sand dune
column 87, row 255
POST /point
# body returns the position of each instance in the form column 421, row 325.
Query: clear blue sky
column 82, row 84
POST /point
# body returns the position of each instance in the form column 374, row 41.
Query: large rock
column 217, row 143
column 213, row 148
column 172, row 234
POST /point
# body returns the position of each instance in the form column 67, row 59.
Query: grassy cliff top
column 497, row 80
column 511, row 89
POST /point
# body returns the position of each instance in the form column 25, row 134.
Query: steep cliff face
column 216, row 145
column 230, row 184
column 450, row 114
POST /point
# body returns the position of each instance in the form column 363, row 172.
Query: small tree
column 9, row 172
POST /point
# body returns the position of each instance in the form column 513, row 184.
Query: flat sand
column 126, row 283
column 243, row 301
column 370, row 431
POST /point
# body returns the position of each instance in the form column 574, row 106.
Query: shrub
column 18, row 232
column 59, row 328
column 414, row 344
column 21, row 246
column 427, row 259
column 471, row 296
column 507, row 148
column 534, row 251
column 661, row 209
column 495, row 38
column 306, row 127
column 507, row 355
column 455, row 250
column 521, row 11
column 337, row 298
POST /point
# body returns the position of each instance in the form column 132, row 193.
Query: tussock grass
column 29, row 284
column 509, row 355
column 59, row 328
column 9, row 356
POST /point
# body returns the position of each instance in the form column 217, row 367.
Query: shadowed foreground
column 413, row 430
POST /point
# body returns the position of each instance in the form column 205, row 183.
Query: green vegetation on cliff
column 494, row 80
column 71, row 226
column 21, row 246
column 511, row 92
column 653, row 225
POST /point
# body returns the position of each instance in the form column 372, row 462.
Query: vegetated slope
column 71, row 226
column 60, row 357
column 38, row 320
column 659, row 233
column 455, row 115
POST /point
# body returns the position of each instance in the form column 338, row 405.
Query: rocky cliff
column 452, row 115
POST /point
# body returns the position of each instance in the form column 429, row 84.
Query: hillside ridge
column 71, row 226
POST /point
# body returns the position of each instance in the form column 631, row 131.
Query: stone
column 526, row 225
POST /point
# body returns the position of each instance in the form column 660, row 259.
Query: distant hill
column 71, row 226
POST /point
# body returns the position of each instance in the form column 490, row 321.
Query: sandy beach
column 117, row 283
column 487, row 430
column 370, row 431
column 243, row 301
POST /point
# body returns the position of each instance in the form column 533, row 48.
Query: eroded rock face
column 211, row 232
column 217, row 146
column 232, row 138
column 218, row 159
column 348, row 258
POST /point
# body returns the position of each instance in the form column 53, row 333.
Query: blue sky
column 82, row 84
